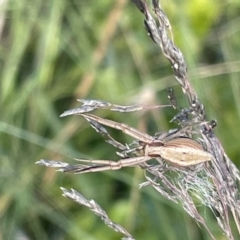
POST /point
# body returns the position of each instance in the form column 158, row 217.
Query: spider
column 179, row 151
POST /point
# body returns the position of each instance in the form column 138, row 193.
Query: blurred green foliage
column 53, row 52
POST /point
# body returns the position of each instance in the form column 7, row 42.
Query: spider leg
column 108, row 138
column 122, row 127
column 103, row 165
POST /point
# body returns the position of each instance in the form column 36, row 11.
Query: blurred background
column 53, row 52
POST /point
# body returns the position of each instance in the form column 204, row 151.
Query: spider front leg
column 103, row 165
column 140, row 136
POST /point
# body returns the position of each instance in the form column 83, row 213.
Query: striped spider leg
column 127, row 161
column 108, row 138
column 126, row 149
column 179, row 151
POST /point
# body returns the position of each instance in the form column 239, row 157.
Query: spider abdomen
column 180, row 151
